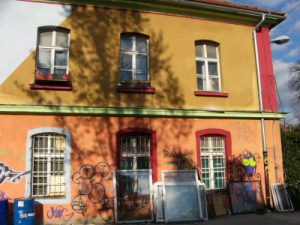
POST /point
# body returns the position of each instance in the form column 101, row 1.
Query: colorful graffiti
column 59, row 212
column 93, row 188
column 243, row 167
column 9, row 175
column 179, row 159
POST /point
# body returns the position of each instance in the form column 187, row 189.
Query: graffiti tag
column 9, row 175
column 92, row 188
column 60, row 213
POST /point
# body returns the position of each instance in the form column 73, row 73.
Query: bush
column 291, row 162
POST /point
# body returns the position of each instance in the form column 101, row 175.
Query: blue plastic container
column 3, row 212
column 24, row 211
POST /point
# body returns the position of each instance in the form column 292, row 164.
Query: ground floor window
column 49, row 162
column 134, row 178
column 213, row 161
column 135, row 151
column 48, row 157
column 213, row 151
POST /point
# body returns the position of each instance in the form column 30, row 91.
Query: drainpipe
column 261, row 109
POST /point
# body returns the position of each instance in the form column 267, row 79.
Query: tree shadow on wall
column 94, row 68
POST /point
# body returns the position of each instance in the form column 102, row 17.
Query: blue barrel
column 3, row 212
column 24, row 211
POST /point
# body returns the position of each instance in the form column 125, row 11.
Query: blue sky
column 284, row 55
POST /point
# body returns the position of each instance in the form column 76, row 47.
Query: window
column 48, row 156
column 214, row 151
column 52, row 56
column 213, row 161
column 136, row 158
column 207, row 66
column 134, row 60
column 48, row 162
column 135, row 151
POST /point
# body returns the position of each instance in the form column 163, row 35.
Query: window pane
column 142, row 63
column 127, row 164
column 212, row 68
column 62, row 39
column 60, row 72
column 141, row 76
column 126, row 61
column 126, row 75
column 141, row 44
column 214, row 84
column 200, row 67
column 211, row 51
column 61, row 58
column 57, row 166
column 44, row 58
column 143, row 163
column 46, row 39
column 40, row 165
column 201, row 84
column 126, row 43
column 199, row 51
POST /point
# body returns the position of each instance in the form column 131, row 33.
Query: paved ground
column 269, row 218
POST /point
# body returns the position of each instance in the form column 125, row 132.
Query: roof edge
column 211, row 9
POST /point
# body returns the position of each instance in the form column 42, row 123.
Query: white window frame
column 206, row 60
column 134, row 54
column 210, row 154
column 67, row 165
column 53, row 48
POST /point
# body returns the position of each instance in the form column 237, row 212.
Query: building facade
column 98, row 100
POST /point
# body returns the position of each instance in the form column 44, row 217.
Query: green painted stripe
column 213, row 12
column 98, row 111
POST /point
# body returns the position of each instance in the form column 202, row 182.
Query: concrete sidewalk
column 269, row 218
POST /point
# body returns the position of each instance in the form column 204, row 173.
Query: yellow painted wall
column 94, row 63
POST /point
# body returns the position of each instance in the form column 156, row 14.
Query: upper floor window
column 52, row 56
column 207, row 66
column 134, row 59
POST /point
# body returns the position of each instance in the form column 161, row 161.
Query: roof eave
column 197, row 9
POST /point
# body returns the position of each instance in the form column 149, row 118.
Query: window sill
column 211, row 94
column 50, row 87
column 146, row 90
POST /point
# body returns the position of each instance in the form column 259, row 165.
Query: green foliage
column 291, row 161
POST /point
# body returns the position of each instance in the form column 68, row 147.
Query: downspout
column 261, row 109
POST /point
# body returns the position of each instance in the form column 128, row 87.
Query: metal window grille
column 53, row 52
column 135, row 151
column 207, row 67
column 48, row 160
column 213, row 162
